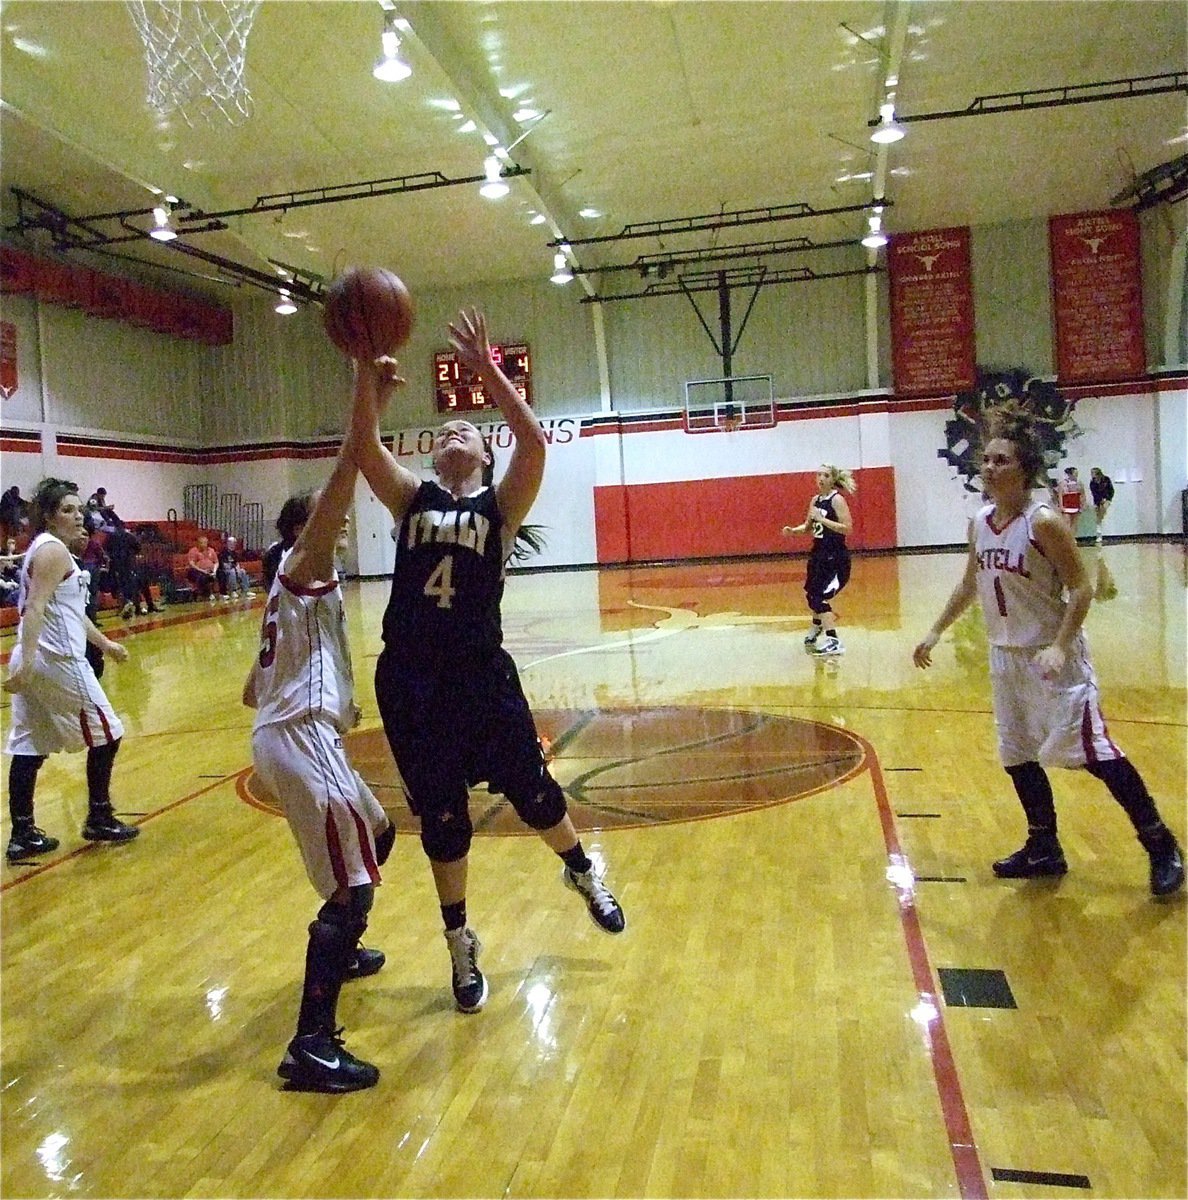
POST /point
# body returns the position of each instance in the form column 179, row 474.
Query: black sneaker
column 384, row 843
column 108, row 828
column 1037, row 857
column 470, row 985
column 603, row 907
column 366, row 962
column 1167, row 862
column 319, row 1062
column 28, row 843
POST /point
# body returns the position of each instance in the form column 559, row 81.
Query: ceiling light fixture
column 391, row 68
column 163, row 232
column 561, row 272
column 876, row 237
column 286, row 307
column 494, row 188
column 887, row 130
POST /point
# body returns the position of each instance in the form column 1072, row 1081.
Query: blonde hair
column 839, row 477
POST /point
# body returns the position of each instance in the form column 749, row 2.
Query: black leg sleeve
column 22, row 779
column 1035, row 794
column 100, row 760
column 1127, row 787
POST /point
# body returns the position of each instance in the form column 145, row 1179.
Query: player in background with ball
column 302, row 687
column 1024, row 566
column 449, row 695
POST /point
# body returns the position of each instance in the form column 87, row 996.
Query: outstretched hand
column 469, row 338
column 383, row 375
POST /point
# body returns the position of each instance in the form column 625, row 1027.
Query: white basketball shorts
column 1058, row 722
column 62, row 707
column 333, row 814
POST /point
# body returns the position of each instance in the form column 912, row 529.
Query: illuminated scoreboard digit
column 459, row 390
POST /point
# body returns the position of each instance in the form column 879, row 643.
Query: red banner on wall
column 8, row 360
column 1097, row 296
column 63, row 283
column 932, row 322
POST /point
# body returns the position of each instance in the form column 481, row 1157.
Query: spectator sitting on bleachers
column 14, row 510
column 233, row 579
column 202, row 568
column 10, row 574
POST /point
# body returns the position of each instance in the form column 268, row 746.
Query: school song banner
column 932, row 320
column 1097, row 296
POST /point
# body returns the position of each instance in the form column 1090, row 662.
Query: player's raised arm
column 521, row 481
column 394, row 485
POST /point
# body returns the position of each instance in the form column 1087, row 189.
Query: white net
column 195, row 52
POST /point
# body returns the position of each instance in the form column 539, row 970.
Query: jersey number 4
column 439, row 585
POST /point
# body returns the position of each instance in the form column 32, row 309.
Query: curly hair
column 839, row 477
column 46, row 498
column 1013, row 423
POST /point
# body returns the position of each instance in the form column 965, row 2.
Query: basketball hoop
column 195, row 51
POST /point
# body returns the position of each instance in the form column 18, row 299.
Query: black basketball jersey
column 447, row 580
column 827, row 539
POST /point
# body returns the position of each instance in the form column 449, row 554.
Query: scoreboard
column 459, row 390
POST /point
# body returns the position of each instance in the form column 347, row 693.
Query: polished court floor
column 822, row 990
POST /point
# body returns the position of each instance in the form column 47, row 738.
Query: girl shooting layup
column 450, row 697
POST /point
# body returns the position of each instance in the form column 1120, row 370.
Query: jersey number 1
column 999, row 596
column 438, row 586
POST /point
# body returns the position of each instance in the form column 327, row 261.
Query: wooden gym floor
column 822, row 990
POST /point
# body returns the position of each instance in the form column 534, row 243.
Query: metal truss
column 1055, row 97
column 710, row 222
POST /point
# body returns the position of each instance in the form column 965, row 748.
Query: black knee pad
column 544, row 807
column 445, row 837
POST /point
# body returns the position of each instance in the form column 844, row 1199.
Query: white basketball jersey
column 303, row 668
column 1021, row 594
column 64, row 634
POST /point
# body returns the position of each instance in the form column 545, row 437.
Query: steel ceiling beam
column 710, row 281
column 709, row 222
column 1056, row 97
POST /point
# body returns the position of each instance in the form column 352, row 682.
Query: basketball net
column 195, row 51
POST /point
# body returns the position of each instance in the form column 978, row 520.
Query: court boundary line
column 971, row 1180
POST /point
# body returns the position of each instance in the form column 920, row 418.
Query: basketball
column 368, row 312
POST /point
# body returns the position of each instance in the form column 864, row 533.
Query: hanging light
column 887, row 130
column 875, row 237
column 286, row 307
column 494, row 188
column 561, row 272
column 391, row 68
column 163, row 232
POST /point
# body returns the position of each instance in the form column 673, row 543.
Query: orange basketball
column 368, row 312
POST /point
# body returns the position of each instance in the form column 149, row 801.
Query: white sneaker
column 468, row 982
column 604, row 909
column 212, row 599
column 234, row 595
column 828, row 645
column 226, row 599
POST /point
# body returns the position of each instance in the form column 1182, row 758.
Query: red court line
column 57, row 862
column 966, row 1163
